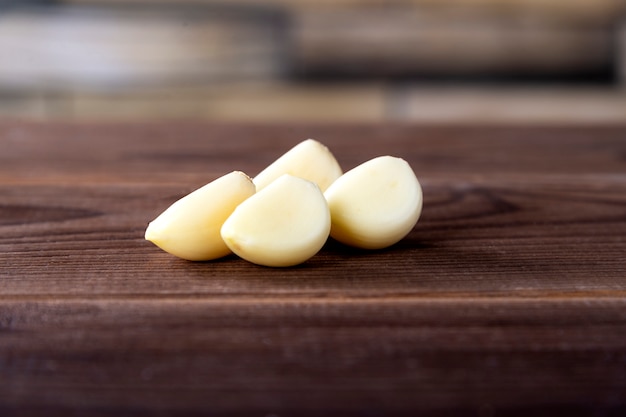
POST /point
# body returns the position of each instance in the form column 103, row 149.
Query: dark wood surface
column 508, row 298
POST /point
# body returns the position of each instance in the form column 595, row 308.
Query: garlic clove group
column 284, row 224
column 190, row 228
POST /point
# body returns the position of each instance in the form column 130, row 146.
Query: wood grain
column 508, row 298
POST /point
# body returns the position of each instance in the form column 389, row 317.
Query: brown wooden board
column 508, row 298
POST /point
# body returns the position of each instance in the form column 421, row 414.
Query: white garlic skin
column 375, row 204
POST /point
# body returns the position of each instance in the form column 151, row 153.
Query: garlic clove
column 284, row 224
column 190, row 228
column 375, row 204
column 309, row 160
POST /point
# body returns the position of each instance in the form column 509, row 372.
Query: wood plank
column 64, row 48
column 330, row 102
column 307, row 357
column 246, row 102
column 508, row 105
column 561, row 10
column 409, row 42
column 509, row 297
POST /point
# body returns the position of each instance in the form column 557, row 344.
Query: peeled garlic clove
column 375, row 204
column 284, row 224
column 309, row 160
column 190, row 228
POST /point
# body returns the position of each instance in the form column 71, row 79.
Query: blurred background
column 467, row 61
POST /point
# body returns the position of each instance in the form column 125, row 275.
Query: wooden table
column 508, row 298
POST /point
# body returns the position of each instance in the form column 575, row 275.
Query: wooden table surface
column 508, row 298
